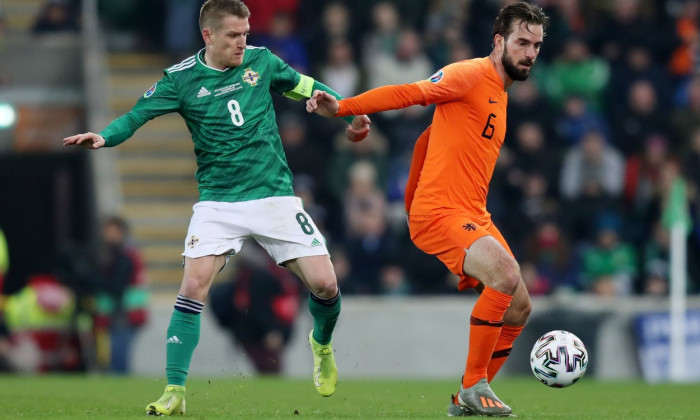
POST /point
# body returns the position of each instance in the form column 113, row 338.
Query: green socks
column 183, row 336
column 325, row 313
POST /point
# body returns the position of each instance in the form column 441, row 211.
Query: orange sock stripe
column 501, row 353
column 503, row 347
column 476, row 321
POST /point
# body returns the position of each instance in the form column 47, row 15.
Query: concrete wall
column 415, row 338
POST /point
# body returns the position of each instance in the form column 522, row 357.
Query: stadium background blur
column 607, row 123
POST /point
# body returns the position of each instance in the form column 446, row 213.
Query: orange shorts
column 447, row 236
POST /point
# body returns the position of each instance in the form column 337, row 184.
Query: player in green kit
column 245, row 185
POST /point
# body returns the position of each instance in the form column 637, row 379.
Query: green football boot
column 480, row 400
column 171, row 403
column 325, row 371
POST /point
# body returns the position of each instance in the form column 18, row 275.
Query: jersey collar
column 200, row 60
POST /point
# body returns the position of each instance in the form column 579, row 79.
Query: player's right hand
column 88, row 140
column 322, row 103
column 359, row 129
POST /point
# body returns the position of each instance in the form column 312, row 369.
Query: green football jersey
column 230, row 116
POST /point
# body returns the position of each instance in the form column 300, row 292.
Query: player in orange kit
column 452, row 165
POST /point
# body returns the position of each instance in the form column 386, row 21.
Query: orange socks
column 486, row 324
column 503, row 347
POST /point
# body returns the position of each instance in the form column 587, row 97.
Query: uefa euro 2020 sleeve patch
column 150, row 90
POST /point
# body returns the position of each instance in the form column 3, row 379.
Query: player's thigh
column 199, row 273
column 317, row 274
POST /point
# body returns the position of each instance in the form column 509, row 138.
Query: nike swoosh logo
column 318, row 374
column 491, row 101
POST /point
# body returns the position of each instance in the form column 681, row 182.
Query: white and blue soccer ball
column 559, row 359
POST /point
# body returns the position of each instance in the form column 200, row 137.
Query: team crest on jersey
column 150, row 90
column 251, row 77
column 437, row 76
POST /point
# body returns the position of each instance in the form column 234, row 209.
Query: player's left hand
column 359, row 129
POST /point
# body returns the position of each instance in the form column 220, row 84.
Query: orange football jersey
column 465, row 136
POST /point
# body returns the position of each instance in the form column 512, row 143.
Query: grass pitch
column 104, row 397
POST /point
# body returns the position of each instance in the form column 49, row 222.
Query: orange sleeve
column 380, row 99
column 452, row 81
column 419, row 152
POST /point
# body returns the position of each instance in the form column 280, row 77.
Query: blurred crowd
column 608, row 122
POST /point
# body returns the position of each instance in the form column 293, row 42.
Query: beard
column 511, row 70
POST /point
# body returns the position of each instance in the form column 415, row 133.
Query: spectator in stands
column 333, row 25
column 550, row 250
column 258, row 305
column 370, row 244
column 339, row 68
column 346, row 154
column 180, row 16
column 262, row 14
column 443, row 31
column 405, row 64
column 383, row 37
column 56, row 16
column 537, row 284
column 576, row 72
column 393, row 281
column 691, row 164
column 684, row 61
column 629, row 22
column 685, row 118
column 656, row 262
column 527, row 104
column 642, row 190
column 591, row 181
column 39, row 318
column 284, row 42
column 305, row 155
column 610, row 265
column 637, row 64
column 641, row 116
column 122, row 297
column 592, row 168
column 577, row 119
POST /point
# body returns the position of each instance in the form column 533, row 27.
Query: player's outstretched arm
column 88, row 140
column 323, row 104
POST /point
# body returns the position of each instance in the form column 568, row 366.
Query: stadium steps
column 19, row 15
column 156, row 168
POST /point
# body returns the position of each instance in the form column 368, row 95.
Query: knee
column 195, row 286
column 508, row 278
column 324, row 286
column 518, row 312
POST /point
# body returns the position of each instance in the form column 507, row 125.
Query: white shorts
column 278, row 224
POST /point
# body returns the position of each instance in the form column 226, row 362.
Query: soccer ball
column 559, row 359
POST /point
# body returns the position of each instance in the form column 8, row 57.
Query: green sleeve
column 320, row 86
column 287, row 84
column 160, row 99
column 305, row 88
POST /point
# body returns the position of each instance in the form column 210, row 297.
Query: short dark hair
column 518, row 12
column 213, row 11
